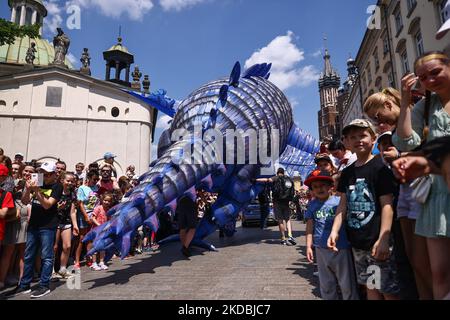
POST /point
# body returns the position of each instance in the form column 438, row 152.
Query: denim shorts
column 381, row 274
column 407, row 207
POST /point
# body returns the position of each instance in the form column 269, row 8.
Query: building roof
column 16, row 52
column 119, row 47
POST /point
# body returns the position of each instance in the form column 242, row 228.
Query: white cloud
column 73, row 60
column 178, row 5
column 154, row 152
column 135, row 9
column 317, row 54
column 162, row 122
column 54, row 17
column 285, row 56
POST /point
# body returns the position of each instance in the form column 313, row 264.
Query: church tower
column 329, row 83
column 119, row 58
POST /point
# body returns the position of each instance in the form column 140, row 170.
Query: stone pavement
column 251, row 265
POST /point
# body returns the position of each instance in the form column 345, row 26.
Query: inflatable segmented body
column 237, row 103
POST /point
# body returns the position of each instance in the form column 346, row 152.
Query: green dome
column 16, row 52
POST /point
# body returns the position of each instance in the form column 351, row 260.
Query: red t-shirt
column 8, row 202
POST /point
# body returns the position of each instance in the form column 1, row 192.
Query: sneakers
column 285, row 243
column 76, row 266
column 185, row 251
column 103, row 266
column 55, row 277
column 16, row 291
column 40, row 292
column 64, row 274
column 292, row 241
column 95, row 267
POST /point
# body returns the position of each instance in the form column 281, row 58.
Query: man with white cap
column 446, row 25
column 41, row 229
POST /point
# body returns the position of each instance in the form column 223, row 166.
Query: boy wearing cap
column 324, row 163
column 366, row 188
column 335, row 268
column 41, row 229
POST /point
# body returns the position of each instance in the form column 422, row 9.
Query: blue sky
column 183, row 44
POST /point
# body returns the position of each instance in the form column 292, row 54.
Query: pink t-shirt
column 100, row 215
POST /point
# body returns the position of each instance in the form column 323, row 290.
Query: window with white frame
column 442, row 11
column 391, row 79
column 419, row 43
column 398, row 19
column 411, row 5
column 376, row 60
column 385, row 45
column 404, row 61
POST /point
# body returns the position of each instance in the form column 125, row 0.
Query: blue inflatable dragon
column 240, row 102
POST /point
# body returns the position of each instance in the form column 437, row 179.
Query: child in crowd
column 367, row 188
column 383, row 109
column 98, row 218
column 67, row 222
column 87, row 200
column 324, row 163
column 6, row 205
column 335, row 269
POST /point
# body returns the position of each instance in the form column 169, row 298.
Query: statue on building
column 136, row 85
column 85, row 62
column 61, row 42
column 146, row 84
column 31, row 54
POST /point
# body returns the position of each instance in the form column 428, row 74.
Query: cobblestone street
column 251, row 265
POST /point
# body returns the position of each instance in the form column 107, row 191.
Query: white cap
column 446, row 26
column 18, row 154
column 48, row 166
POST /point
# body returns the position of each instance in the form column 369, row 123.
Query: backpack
column 283, row 189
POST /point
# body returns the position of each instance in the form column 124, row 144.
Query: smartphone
column 416, row 90
column 38, row 178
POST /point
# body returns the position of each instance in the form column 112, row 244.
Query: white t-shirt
column 347, row 160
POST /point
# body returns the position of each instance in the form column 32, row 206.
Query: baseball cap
column 48, row 166
column 358, row 123
column 3, row 170
column 18, row 154
column 109, row 155
column 280, row 170
column 446, row 26
column 322, row 156
column 318, row 175
column 383, row 135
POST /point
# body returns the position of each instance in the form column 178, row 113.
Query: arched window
column 2, row 103
column 102, row 110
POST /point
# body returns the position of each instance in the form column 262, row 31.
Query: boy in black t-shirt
column 366, row 189
column 41, row 230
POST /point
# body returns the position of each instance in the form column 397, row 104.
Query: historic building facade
column 50, row 111
column 407, row 29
